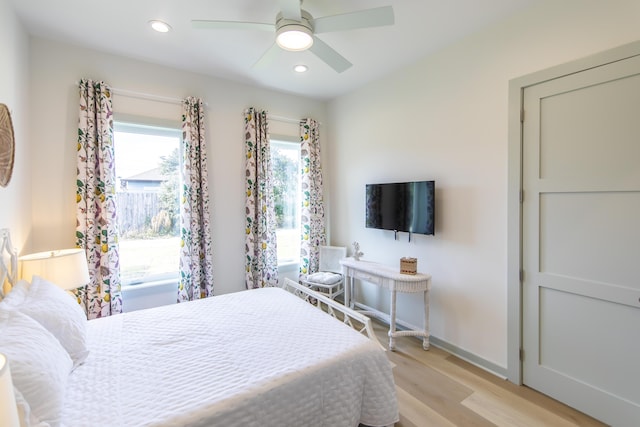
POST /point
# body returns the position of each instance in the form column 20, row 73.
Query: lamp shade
column 66, row 268
column 8, row 409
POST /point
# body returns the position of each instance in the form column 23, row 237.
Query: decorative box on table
column 408, row 265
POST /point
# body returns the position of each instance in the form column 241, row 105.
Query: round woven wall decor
column 7, row 146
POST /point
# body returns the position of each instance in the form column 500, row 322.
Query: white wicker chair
column 329, row 280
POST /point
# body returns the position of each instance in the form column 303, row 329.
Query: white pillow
column 16, row 295
column 54, row 309
column 40, row 367
column 25, row 416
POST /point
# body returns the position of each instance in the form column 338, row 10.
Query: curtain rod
column 148, row 96
column 285, row 119
column 140, row 95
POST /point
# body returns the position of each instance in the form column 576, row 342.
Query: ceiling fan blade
column 231, row 25
column 268, row 57
column 330, row 56
column 350, row 21
column 290, row 9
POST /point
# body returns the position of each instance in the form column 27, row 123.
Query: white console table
column 390, row 278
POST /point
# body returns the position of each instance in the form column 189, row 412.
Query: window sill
column 150, row 284
column 149, row 294
column 289, row 265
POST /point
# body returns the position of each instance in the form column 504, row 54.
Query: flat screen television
column 401, row 206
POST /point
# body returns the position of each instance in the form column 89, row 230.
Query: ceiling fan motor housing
column 306, row 21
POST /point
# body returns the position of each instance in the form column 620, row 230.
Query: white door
column 581, row 240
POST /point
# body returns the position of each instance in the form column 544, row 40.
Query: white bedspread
column 254, row 358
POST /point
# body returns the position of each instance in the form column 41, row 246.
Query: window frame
column 288, row 139
column 150, row 127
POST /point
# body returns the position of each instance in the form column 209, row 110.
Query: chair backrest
column 330, row 257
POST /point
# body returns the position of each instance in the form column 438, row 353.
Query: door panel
column 591, row 236
column 587, row 122
column 581, row 240
column 588, row 356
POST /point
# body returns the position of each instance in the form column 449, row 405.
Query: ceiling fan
column 296, row 30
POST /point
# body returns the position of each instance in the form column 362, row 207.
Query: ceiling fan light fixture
column 294, row 37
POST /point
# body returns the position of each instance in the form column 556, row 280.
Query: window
column 147, row 164
column 285, row 165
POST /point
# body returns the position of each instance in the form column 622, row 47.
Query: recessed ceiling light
column 159, row 26
column 300, row 68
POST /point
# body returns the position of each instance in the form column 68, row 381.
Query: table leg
column 392, row 321
column 425, row 339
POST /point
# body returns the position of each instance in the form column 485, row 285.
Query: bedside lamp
column 8, row 408
column 66, row 268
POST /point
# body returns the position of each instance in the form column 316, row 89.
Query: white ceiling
column 120, row 27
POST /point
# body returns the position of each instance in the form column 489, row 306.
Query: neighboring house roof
column 150, row 175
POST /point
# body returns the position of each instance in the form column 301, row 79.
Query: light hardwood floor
column 435, row 388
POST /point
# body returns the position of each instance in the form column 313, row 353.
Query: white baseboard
column 465, row 355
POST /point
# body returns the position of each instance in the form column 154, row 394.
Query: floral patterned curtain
column 96, row 230
column 196, row 269
column 312, row 213
column 261, row 250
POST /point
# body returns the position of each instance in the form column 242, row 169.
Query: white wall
column 445, row 118
column 55, row 70
column 15, row 200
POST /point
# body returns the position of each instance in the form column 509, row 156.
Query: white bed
column 262, row 357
